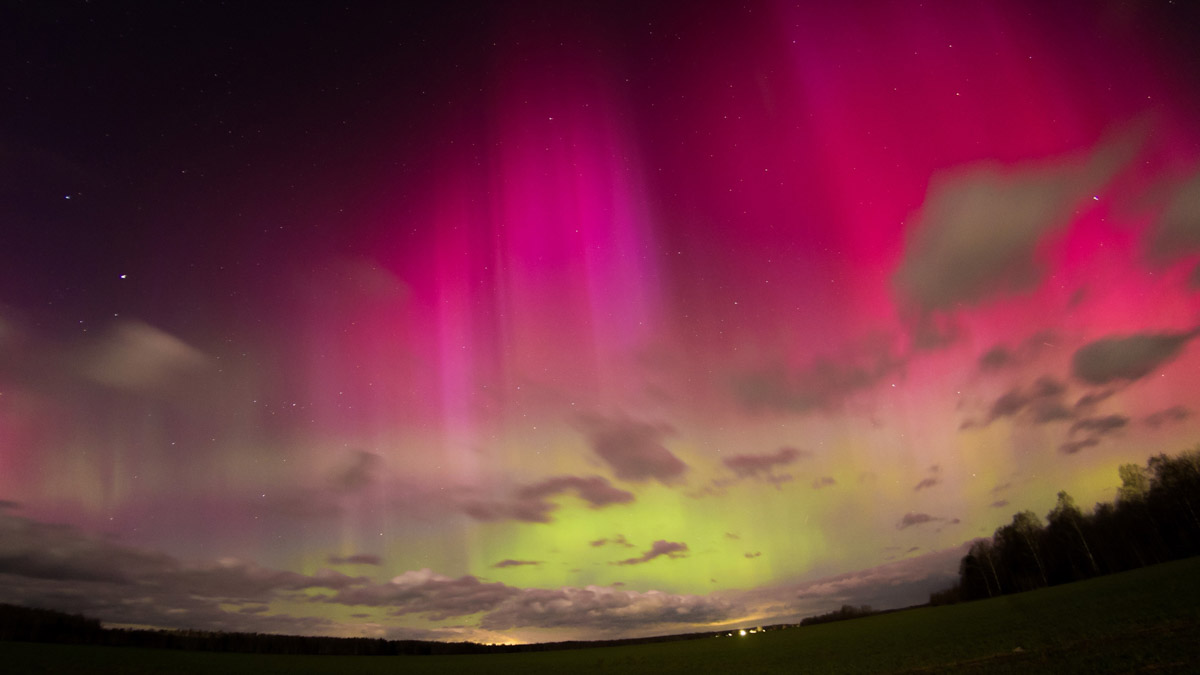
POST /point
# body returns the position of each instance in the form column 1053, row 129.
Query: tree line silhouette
column 1153, row 519
column 845, row 613
column 28, row 624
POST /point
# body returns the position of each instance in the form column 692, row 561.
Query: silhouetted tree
column 977, row 573
column 1156, row 517
column 1070, row 556
column 1020, row 552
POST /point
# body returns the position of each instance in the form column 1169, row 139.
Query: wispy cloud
column 662, row 547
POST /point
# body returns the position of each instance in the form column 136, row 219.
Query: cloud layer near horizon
column 58, row 567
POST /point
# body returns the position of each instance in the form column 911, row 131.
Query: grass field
column 1146, row 621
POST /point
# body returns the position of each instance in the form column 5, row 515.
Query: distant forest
column 27, row 624
column 1153, row 519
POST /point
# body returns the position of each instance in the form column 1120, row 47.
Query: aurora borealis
column 576, row 320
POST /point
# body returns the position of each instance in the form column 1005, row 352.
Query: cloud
column 361, row 472
column 671, row 549
column 1072, row 447
column 135, row 356
column 996, row 358
column 509, row 562
column 1177, row 230
column 1091, row 400
column 934, row 330
column 356, row 559
column 911, row 519
column 999, row 504
column 751, row 556
column 425, row 592
column 1002, row 357
column 59, row 567
column 823, row 481
column 900, row 584
column 762, row 466
column 1094, row 427
column 1128, row 358
column 1041, row 403
column 618, row 540
column 824, row 384
column 926, row 483
column 301, row 504
column 606, row 610
column 531, row 503
column 931, row 480
column 977, row 232
column 1172, row 415
column 633, row 449
column 1098, row 426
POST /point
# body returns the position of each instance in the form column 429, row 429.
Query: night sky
column 552, row 320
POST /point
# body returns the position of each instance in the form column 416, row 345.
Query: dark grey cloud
column 58, row 552
column 606, row 610
column 823, row 481
column 751, row 556
column 1045, row 411
column 424, row 592
column 1126, row 358
column 618, row 540
column 910, row 519
column 531, row 503
column 979, row 227
column 1072, row 447
column 361, row 471
column 59, row 567
column 1041, row 403
column 934, row 478
column 1001, row 357
column 308, row 504
column 763, row 466
column 1172, row 415
column 823, row 385
column 509, row 562
column 999, row 504
column 931, row 331
column 1098, row 426
column 996, row 358
column 900, row 584
column 671, row 549
column 1177, row 230
column 356, row 559
column 633, row 449
column 247, row 581
column 1090, row 400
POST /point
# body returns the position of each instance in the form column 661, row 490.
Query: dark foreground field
column 1145, row 621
